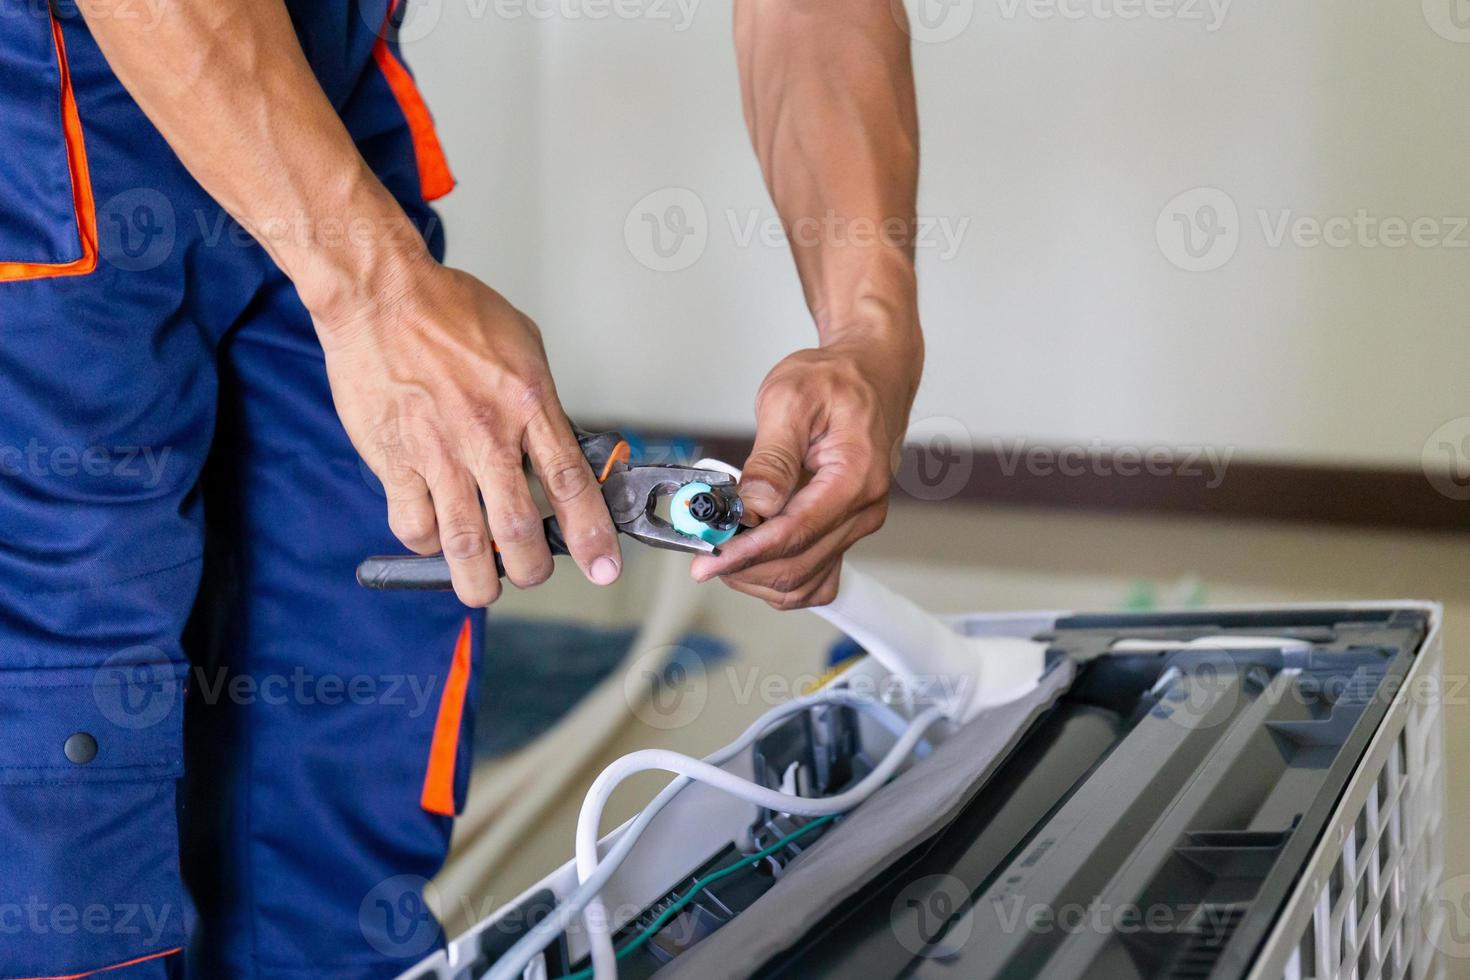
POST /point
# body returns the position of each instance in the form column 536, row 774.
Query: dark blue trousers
column 218, row 756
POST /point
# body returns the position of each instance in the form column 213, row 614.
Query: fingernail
column 604, row 571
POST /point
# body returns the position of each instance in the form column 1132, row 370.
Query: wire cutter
column 703, row 505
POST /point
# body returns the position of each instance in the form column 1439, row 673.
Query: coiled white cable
column 604, row 956
column 912, row 644
column 513, row 962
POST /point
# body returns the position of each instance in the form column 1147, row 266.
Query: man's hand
column 828, row 93
column 443, row 387
column 441, row 383
column 835, row 413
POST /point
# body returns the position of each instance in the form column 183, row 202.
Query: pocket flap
column 120, row 721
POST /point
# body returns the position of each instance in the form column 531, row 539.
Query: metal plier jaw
column 633, row 493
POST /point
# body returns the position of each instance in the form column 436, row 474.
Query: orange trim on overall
column 115, row 966
column 438, row 794
column 435, row 180
column 81, row 185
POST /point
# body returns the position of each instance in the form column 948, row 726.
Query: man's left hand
column 828, row 421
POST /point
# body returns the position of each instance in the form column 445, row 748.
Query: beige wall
column 1054, row 145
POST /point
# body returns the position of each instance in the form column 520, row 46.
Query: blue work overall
column 218, row 756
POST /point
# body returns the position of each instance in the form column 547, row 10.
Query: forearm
column 228, row 86
column 452, row 392
column 828, row 96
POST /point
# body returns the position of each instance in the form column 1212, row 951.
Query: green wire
column 699, row 885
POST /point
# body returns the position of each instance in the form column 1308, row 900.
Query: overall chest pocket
column 48, row 220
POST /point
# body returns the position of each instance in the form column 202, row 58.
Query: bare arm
column 829, row 100
column 441, row 384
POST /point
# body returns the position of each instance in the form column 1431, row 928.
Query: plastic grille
column 1375, row 917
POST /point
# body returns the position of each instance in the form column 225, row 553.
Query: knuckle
column 786, row 602
column 787, row 583
column 790, row 578
column 528, row 393
column 773, row 460
column 530, row 578
column 780, row 388
column 464, row 543
column 531, row 326
column 876, row 487
column 873, row 518
column 411, row 526
column 848, row 499
column 566, row 477
column 516, row 528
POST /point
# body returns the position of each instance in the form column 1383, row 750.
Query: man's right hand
column 442, row 384
column 444, row 388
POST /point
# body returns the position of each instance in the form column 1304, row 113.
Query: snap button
column 80, row 748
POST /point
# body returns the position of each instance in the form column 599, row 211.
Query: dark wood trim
column 1181, row 484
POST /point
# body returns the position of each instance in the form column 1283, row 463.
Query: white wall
column 1055, row 144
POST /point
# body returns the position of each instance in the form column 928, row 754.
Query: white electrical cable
column 917, row 648
column 604, row 956
column 513, row 962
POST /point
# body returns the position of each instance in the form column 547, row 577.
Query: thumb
column 774, row 468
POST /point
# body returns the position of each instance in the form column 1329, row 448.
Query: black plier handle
column 430, row 573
